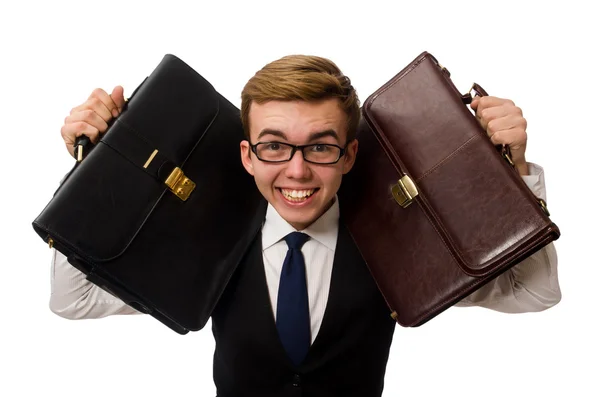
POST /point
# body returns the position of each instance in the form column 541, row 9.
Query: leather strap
column 476, row 90
column 138, row 150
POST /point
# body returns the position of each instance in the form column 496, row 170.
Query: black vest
column 348, row 357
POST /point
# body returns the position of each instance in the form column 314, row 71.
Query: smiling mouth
column 297, row 195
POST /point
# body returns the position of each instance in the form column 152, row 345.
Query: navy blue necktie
column 293, row 318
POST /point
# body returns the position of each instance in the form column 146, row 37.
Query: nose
column 297, row 168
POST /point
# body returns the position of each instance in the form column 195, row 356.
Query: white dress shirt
column 318, row 254
column 531, row 285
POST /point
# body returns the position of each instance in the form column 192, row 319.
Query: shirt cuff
column 535, row 180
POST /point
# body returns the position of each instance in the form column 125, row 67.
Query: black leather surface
column 118, row 222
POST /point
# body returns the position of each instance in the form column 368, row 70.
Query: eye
column 274, row 146
column 320, row 148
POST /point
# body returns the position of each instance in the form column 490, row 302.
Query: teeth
column 297, row 195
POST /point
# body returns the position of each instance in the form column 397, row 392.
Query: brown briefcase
column 434, row 207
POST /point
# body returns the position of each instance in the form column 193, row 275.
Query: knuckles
column 485, row 115
column 97, row 93
column 94, row 102
column 493, row 127
column 81, row 124
column 87, row 115
column 518, row 110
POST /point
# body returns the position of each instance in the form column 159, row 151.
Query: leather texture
column 473, row 218
column 118, row 222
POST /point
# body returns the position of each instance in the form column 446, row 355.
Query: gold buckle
column 508, row 158
column 179, row 184
column 152, row 155
column 404, row 191
column 544, row 206
column 394, row 315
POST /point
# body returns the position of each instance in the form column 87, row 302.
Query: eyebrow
column 312, row 137
column 276, row 133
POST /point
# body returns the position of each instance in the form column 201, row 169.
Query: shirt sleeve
column 72, row 296
column 529, row 286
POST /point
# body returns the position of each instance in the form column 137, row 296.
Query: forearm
column 73, row 296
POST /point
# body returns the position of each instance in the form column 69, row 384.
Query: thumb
column 117, row 97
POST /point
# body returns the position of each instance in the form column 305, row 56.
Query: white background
column 544, row 57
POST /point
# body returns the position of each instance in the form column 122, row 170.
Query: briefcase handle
column 477, row 90
column 82, row 147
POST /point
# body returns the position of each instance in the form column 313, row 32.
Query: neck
column 302, row 226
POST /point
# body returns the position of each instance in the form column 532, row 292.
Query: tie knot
column 296, row 240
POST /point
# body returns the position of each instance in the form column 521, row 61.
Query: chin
column 299, row 221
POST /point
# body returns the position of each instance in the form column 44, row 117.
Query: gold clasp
column 404, row 191
column 544, row 206
column 444, row 70
column 50, row 242
column 507, row 156
column 394, row 315
column 179, row 184
column 152, row 155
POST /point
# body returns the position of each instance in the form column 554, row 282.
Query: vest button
column 296, row 381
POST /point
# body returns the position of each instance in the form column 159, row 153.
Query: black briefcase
column 161, row 211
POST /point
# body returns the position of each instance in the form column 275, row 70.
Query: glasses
column 279, row 152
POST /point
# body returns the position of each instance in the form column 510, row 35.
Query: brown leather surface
column 474, row 217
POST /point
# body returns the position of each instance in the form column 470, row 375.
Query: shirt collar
column 324, row 229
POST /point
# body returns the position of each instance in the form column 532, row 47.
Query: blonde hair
column 301, row 77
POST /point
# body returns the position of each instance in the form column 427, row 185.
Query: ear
column 350, row 155
column 246, row 159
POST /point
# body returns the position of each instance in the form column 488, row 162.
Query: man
column 300, row 116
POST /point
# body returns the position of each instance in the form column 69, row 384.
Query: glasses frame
column 295, row 148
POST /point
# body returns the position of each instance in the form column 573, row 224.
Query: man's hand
column 505, row 125
column 91, row 118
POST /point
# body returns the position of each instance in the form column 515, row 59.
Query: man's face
column 300, row 191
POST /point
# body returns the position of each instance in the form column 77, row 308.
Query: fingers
column 497, row 114
column 504, row 123
column 92, row 117
column 475, row 102
column 479, row 103
column 106, row 100
column 508, row 130
column 97, row 106
column 489, row 108
column 71, row 131
column 501, row 117
column 118, row 98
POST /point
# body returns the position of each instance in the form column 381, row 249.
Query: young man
column 300, row 116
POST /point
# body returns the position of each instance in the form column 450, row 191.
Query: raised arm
column 531, row 285
column 72, row 296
